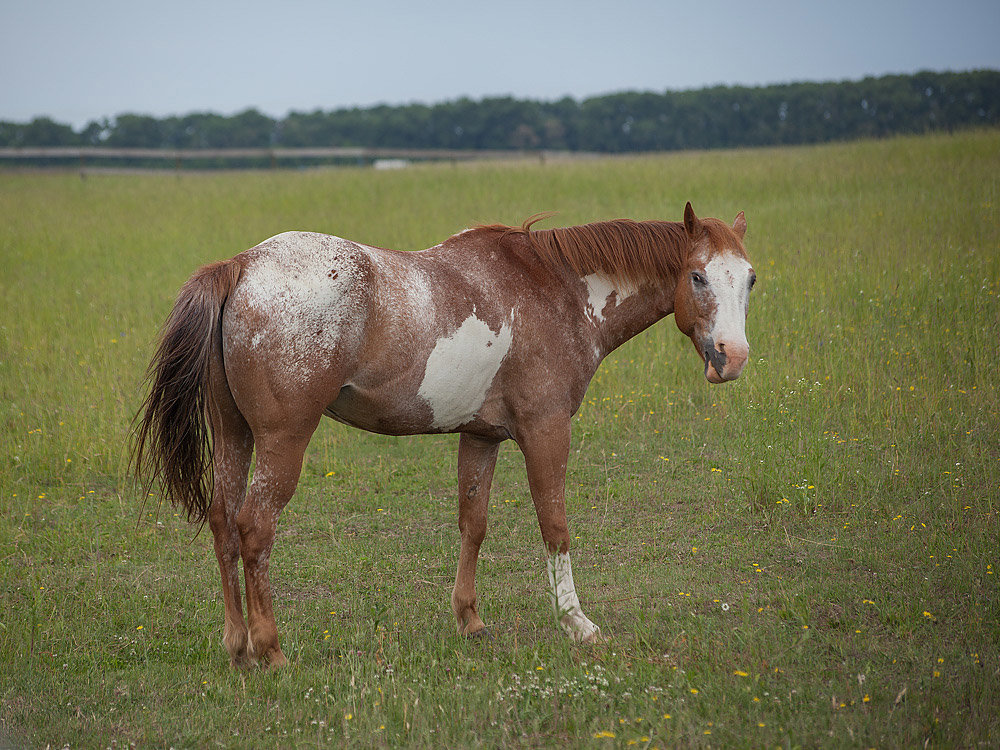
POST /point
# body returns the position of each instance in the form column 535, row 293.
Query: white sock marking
column 565, row 601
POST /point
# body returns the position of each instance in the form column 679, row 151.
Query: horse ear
column 740, row 225
column 692, row 224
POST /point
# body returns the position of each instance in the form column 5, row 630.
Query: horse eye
column 697, row 278
column 753, row 280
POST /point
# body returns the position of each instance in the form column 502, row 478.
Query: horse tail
column 171, row 440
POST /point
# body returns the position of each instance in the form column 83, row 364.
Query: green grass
column 806, row 557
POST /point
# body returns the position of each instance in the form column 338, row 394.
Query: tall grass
column 804, row 557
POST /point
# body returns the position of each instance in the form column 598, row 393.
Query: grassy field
column 806, row 557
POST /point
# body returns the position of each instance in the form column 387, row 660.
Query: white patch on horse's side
column 460, row 370
column 728, row 276
column 565, row 602
column 600, row 288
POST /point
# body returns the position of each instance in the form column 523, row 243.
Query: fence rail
column 272, row 155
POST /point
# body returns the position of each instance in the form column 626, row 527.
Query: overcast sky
column 77, row 61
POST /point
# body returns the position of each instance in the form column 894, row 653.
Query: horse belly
column 377, row 413
column 451, row 387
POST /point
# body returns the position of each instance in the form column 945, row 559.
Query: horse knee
column 472, row 533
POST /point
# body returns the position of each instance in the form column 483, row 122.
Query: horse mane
column 622, row 249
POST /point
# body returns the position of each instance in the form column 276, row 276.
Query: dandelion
column 605, row 733
column 741, row 673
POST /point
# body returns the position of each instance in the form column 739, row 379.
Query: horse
column 494, row 334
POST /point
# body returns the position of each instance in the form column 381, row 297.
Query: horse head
column 713, row 294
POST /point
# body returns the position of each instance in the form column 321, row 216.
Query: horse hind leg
column 279, row 462
column 232, row 451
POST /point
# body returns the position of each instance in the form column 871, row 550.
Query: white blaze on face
column 599, row 291
column 460, row 369
column 728, row 277
column 565, row 601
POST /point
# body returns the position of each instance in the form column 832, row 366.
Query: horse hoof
column 276, row 661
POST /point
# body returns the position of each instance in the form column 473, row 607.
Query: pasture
column 805, row 557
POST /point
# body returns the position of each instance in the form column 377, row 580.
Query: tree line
column 716, row 117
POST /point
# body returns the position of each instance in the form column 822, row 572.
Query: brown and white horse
column 493, row 334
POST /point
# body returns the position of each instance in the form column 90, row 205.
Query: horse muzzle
column 724, row 360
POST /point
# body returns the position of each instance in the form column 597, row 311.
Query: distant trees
column 42, row 131
column 721, row 116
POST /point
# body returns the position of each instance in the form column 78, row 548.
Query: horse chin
column 711, row 374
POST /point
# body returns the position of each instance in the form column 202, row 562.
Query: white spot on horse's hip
column 565, row 601
column 600, row 290
column 297, row 283
column 460, row 370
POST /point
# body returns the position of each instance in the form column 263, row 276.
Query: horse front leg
column 476, row 461
column 545, row 446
